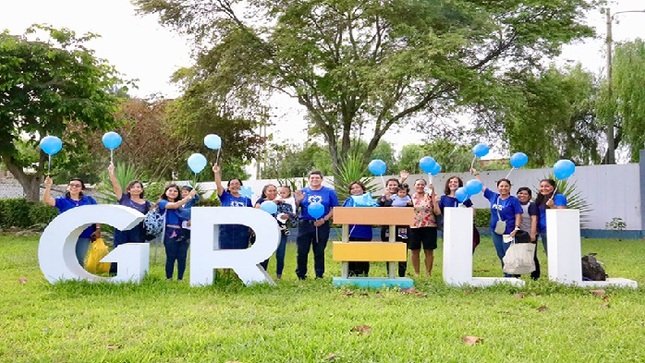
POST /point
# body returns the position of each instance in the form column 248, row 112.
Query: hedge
column 21, row 213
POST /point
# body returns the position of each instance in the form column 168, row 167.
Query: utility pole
column 611, row 144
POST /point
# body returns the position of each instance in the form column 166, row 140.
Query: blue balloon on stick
column 474, row 187
column 436, row 169
column 428, row 164
column 112, row 140
column 563, row 169
column 213, row 141
column 316, row 210
column 480, row 150
column 461, row 194
column 518, row 160
column 51, row 145
column 197, row 162
column 377, row 167
column 269, row 207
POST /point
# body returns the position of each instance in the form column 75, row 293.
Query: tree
column 45, row 85
column 452, row 157
column 548, row 115
column 625, row 104
column 368, row 65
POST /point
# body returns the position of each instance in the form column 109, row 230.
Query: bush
column 41, row 213
column 482, row 218
column 21, row 213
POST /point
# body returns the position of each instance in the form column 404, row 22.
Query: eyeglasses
column 75, row 185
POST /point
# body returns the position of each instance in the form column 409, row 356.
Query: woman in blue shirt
column 548, row 198
column 232, row 236
column 176, row 247
column 133, row 198
column 361, row 233
column 506, row 208
column 73, row 198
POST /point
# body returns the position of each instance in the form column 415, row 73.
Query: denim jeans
column 308, row 236
column 500, row 248
column 176, row 250
column 136, row 234
column 543, row 238
column 82, row 246
column 279, row 256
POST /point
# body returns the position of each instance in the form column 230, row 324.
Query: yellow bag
column 97, row 251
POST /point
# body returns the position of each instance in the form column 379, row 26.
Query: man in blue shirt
column 314, row 231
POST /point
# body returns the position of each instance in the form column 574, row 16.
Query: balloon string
column 428, row 188
column 472, row 163
column 112, row 156
column 49, row 165
column 217, row 157
column 316, row 234
column 509, row 173
column 383, row 180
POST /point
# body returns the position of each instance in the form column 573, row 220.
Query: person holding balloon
column 176, row 248
column 449, row 199
column 270, row 203
column 358, row 233
column 423, row 231
column 232, row 236
column 316, row 204
column 132, row 198
column 392, row 187
column 73, row 198
column 548, row 198
column 506, row 215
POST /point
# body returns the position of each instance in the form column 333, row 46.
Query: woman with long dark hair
column 73, row 198
column 449, row 199
column 283, row 215
column 548, row 198
column 176, row 247
column 133, row 198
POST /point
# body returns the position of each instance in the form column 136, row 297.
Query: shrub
column 41, row 213
column 482, row 217
column 15, row 212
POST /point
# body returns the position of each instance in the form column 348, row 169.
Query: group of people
column 516, row 213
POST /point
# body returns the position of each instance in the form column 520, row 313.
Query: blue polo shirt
column 559, row 200
column 507, row 208
column 358, row 230
column 64, row 204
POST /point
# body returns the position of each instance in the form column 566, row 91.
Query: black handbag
column 522, row 236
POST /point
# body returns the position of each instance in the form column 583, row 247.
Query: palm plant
column 352, row 168
column 124, row 173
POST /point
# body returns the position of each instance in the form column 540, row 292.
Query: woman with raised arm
column 548, row 199
column 423, row 232
column 73, row 198
column 176, row 248
column 133, row 198
column 505, row 216
column 232, row 236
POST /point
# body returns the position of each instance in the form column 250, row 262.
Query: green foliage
column 21, row 213
column 293, row 161
column 45, row 84
column 482, row 218
column 363, row 67
column 575, row 199
column 124, row 173
column 352, row 169
column 616, row 224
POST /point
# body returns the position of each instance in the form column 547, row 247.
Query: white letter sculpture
column 204, row 257
column 56, row 251
column 458, row 251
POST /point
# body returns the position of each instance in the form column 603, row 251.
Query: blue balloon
column 480, row 150
column 461, row 194
column 436, row 169
column 377, row 167
column 112, row 140
column 316, row 210
column 213, row 141
column 563, row 169
column 474, row 187
column 197, row 162
column 427, row 164
column 518, row 160
column 51, row 145
column 269, row 207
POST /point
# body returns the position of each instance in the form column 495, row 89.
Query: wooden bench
column 391, row 252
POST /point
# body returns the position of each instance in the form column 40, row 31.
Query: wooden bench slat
column 403, row 216
column 369, row 251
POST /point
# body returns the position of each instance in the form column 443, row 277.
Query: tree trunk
column 30, row 182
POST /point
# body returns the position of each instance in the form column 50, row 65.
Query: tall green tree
column 624, row 106
column 367, row 65
column 45, row 85
column 549, row 115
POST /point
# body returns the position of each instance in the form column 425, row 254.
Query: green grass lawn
column 311, row 321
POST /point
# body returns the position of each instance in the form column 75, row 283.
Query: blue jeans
column 82, row 246
column 279, row 256
column 308, row 236
column 543, row 238
column 176, row 250
column 135, row 234
column 500, row 248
